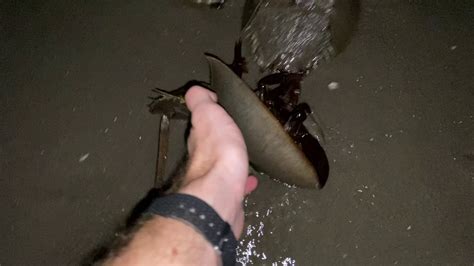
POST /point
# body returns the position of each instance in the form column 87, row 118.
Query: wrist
column 203, row 218
column 224, row 197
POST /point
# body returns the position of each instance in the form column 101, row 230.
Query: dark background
column 74, row 77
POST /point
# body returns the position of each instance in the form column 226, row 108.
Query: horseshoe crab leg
column 315, row 127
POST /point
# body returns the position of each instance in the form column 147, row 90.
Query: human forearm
column 217, row 174
column 165, row 241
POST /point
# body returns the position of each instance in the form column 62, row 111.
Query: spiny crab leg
column 313, row 125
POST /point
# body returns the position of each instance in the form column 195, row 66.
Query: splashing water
column 251, row 250
column 289, row 36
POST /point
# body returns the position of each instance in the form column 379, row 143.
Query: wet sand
column 78, row 145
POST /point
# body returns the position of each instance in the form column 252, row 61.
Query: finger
column 209, row 119
column 251, row 184
column 197, row 95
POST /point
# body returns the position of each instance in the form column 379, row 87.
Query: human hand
column 218, row 165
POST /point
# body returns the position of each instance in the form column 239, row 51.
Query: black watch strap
column 202, row 217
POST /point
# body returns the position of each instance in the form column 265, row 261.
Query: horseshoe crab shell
column 271, row 150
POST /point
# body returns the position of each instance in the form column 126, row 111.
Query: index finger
column 197, row 95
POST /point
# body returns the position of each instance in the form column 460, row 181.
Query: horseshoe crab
column 279, row 146
column 297, row 35
column 271, row 149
